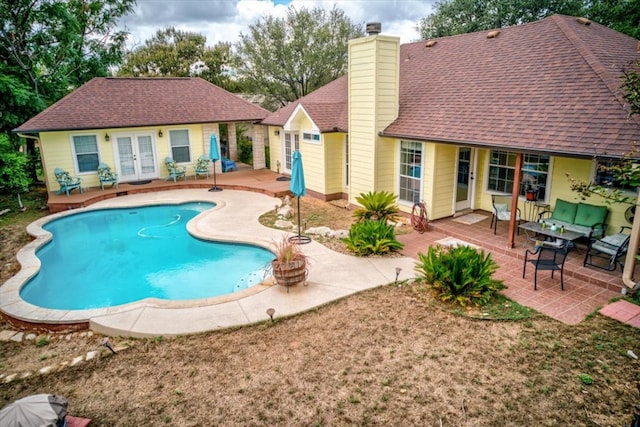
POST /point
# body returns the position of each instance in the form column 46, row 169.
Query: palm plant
column 377, row 206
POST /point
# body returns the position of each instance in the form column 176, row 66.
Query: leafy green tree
column 178, row 53
column 621, row 15
column 50, row 47
column 14, row 178
column 287, row 58
column 466, row 16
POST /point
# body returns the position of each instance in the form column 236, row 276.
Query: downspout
column 634, row 244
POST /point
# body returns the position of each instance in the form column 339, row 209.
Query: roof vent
column 583, row 21
column 430, row 43
column 373, row 28
column 493, row 34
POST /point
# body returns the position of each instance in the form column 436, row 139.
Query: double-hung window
column 180, row 147
column 85, row 149
column 502, row 169
column 410, row 171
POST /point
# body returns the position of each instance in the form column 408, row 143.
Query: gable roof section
column 550, row 86
column 326, row 107
column 132, row 102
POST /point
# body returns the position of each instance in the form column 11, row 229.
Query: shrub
column 377, row 205
column 461, row 275
column 372, row 238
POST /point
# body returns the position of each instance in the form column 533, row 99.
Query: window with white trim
column 85, row 150
column 502, row 169
column 180, row 145
column 410, row 171
column 311, row 137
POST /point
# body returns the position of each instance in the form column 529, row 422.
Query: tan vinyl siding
column 334, row 165
column 373, row 104
column 444, row 161
column 57, row 150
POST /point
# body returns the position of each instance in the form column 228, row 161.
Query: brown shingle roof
column 327, row 107
column 132, row 102
column 552, row 85
column 549, row 86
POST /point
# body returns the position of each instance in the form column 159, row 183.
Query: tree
column 287, row 58
column 50, row 47
column 465, row 16
column 177, row 53
column 621, row 15
column 14, row 178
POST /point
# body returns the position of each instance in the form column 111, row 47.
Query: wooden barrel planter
column 289, row 273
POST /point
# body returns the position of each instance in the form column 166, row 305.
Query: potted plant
column 289, row 267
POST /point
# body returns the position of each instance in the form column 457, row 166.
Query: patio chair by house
column 107, row 176
column 175, row 171
column 550, row 257
column 66, row 181
column 502, row 211
column 609, row 251
column 202, row 167
column 228, row 165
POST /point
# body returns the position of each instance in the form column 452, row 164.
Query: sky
column 224, row 20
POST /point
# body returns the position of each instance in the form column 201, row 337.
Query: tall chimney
column 373, row 28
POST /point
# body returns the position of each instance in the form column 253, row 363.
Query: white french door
column 291, row 143
column 136, row 157
column 465, row 175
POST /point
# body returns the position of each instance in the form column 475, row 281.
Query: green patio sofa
column 590, row 220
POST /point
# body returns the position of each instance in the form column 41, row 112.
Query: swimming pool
column 110, row 257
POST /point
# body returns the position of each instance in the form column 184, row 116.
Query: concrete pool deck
column 235, row 219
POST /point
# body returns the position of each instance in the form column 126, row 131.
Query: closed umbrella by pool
column 298, row 189
column 214, row 155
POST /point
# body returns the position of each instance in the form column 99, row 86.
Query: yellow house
column 134, row 124
column 452, row 121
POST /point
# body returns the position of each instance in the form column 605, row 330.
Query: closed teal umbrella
column 298, row 189
column 214, row 155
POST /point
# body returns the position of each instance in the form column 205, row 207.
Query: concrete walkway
column 235, row 219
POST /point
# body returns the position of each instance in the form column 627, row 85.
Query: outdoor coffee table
column 534, row 229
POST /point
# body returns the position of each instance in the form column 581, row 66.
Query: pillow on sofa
column 564, row 211
column 590, row 215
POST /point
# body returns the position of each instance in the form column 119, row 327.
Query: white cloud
column 224, row 20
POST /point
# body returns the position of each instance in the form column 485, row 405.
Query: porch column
column 259, row 135
column 207, row 130
column 232, row 144
column 515, row 193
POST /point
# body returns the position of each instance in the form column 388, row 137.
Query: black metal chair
column 610, row 250
column 502, row 211
column 550, row 257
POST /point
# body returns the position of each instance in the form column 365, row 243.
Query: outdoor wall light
column 160, row 133
column 106, row 137
column 276, row 132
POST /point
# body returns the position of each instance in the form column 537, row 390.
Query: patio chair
column 106, row 176
column 202, row 167
column 610, row 250
column 228, row 165
column 66, row 181
column 175, row 171
column 502, row 211
column 550, row 256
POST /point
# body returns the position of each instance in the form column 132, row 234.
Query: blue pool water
column 110, row 257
